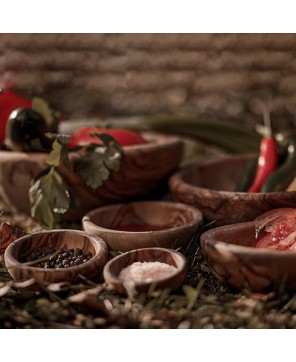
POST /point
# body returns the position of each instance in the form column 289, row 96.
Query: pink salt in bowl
column 142, row 270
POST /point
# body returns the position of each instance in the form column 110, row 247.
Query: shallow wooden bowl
column 210, row 187
column 144, row 168
column 59, row 239
column 178, row 221
column 172, row 282
column 230, row 252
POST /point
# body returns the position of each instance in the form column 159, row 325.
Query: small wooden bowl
column 144, row 168
column 59, row 239
column 210, row 187
column 172, row 282
column 178, row 221
column 230, row 252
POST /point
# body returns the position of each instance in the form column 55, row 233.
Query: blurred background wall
column 218, row 75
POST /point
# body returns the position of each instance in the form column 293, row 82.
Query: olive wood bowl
column 144, row 169
column 231, row 254
column 210, row 187
column 172, row 282
column 178, row 223
column 59, row 239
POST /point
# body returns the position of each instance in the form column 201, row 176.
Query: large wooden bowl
column 178, row 224
column 210, row 187
column 143, row 169
column 230, row 252
column 172, row 282
column 59, row 239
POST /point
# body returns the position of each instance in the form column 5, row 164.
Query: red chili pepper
column 9, row 101
column 267, row 161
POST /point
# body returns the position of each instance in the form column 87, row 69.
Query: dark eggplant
column 25, row 131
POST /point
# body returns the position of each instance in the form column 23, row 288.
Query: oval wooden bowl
column 60, row 239
column 179, row 222
column 172, row 282
column 230, row 252
column 143, row 170
column 210, row 187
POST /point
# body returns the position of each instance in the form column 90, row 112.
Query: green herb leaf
column 55, row 155
column 64, row 139
column 50, row 115
column 49, row 196
column 92, row 169
column 59, row 153
column 95, row 165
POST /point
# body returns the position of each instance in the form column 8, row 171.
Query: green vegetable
column 228, row 136
column 50, row 115
column 232, row 138
column 281, row 178
column 50, row 196
column 247, row 176
column 101, row 158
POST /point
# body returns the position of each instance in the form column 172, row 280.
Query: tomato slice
column 266, row 219
column 280, row 228
column 265, row 242
column 83, row 137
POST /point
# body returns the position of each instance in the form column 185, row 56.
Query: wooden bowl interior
column 59, row 240
column 219, row 174
column 242, row 234
column 171, row 282
column 145, row 255
column 168, row 215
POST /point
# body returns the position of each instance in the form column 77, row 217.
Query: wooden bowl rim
column 95, row 240
column 162, row 142
column 209, row 238
column 197, row 217
column 112, row 278
column 177, row 178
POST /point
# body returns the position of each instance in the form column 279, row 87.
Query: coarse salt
column 145, row 272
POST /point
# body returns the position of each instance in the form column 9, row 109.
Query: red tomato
column 9, row 101
column 279, row 227
column 83, row 137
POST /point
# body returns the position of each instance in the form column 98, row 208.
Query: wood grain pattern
column 230, row 252
column 179, row 221
column 63, row 239
column 210, row 187
column 144, row 167
column 172, row 282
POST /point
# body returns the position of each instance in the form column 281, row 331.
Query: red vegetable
column 268, row 158
column 266, row 219
column 84, row 136
column 9, row 101
column 9, row 233
column 280, row 229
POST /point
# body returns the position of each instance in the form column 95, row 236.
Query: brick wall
column 218, row 75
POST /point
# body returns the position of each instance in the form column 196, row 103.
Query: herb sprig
column 50, row 196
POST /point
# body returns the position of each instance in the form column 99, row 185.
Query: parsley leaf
column 95, row 164
column 49, row 197
column 59, row 153
column 50, row 115
column 49, row 194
